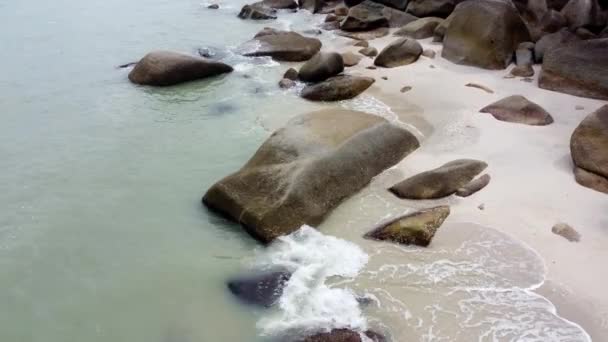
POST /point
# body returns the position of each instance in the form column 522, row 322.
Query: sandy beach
column 532, row 186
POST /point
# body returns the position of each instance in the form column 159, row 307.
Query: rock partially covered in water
column 261, row 289
column 589, row 149
column 343, row 335
column 484, row 33
column 165, row 68
column 413, row 229
column 257, row 11
column 321, row 66
column 519, row 109
column 566, row 231
column 403, row 51
column 337, row 88
column 579, row 68
column 363, row 17
column 306, row 169
column 440, row 182
column 282, row 46
column 420, row 29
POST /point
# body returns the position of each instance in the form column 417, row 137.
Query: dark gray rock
column 403, row 51
column 552, row 21
column 397, row 4
column 291, row 74
column 552, row 41
column 420, row 29
column 431, row 8
column 567, row 232
column 337, row 88
column 321, row 66
column 313, row 6
column 523, row 71
column 260, row 289
column 579, row 13
column 369, row 51
column 364, row 17
column 589, row 149
column 280, row 4
column 519, row 109
column 257, row 11
column 397, row 18
column 476, row 185
column 287, row 83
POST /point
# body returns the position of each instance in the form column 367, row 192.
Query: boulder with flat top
column 589, row 149
column 281, row 46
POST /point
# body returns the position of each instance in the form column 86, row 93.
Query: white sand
column 532, row 185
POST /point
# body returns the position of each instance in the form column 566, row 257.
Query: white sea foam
column 308, row 303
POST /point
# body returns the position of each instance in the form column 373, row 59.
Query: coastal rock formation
column 397, row 4
column 579, row 13
column 165, row 68
column 519, row 109
column 397, row 18
column 257, row 11
column 321, row 67
column 566, row 231
column 363, row 17
column 440, row 30
column 579, row 68
column 281, row 46
column 552, row 21
column 337, row 88
column 420, row 29
column 484, row 33
column 412, row 229
column 313, row 6
column 365, row 35
column 440, row 182
column 476, row 185
column 403, row 51
column 350, row 59
column 306, row 169
column 260, row 289
column 280, row 4
column 552, row 41
column 343, row 335
column 431, row 8
column 589, row 149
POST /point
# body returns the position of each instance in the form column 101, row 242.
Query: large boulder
column 364, row 17
column 403, row 51
column 257, row 11
column 337, row 88
column 365, row 35
column 589, row 149
column 313, row 6
column 420, row 29
column 165, row 68
column 440, row 182
column 397, row 18
column 281, row 4
column 484, row 33
column 262, row 289
column 579, row 68
column 306, row 169
column 519, row 109
column 321, row 66
column 551, row 41
column 552, row 21
column 579, row 13
column 431, row 8
column 418, row 228
column 401, row 5
column 282, row 46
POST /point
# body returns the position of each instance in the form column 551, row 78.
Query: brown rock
column 369, row 51
column 567, row 232
column 589, row 148
column 337, row 88
column 431, row 8
column 403, row 51
column 367, row 35
column 429, row 53
column 257, row 11
column 474, row 186
column 350, row 59
column 420, row 29
column 321, row 66
column 291, row 74
column 406, row 89
column 522, row 71
column 282, row 46
column 361, row 43
column 591, row 180
column 479, row 86
column 518, row 109
column 363, row 17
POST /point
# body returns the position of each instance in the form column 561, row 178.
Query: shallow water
column 102, row 235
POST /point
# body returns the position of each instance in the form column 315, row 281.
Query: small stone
column 330, row 17
column 523, row 71
column 350, row 59
column 213, row 6
column 432, row 66
column 508, row 76
column 479, row 86
column 286, row 83
column 579, row 107
column 429, row 53
column 527, row 79
column 384, row 78
column 481, row 206
column 362, row 43
column 371, row 67
column 369, row 51
column 291, row 74
column 566, row 231
column 406, row 89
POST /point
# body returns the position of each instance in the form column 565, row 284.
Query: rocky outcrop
column 260, row 289
column 257, row 11
column 552, row 21
column 552, row 41
column 403, row 51
column 280, row 4
column 440, row 182
column 484, row 33
column 420, row 29
column 165, row 68
column 413, row 229
column 476, row 185
column 566, row 231
column 365, row 35
column 589, row 149
column 350, row 59
column 282, row 46
column 337, row 88
column 431, row 8
column 579, row 68
column 321, row 67
column 364, row 17
column 397, row 18
column 306, row 169
column 519, row 109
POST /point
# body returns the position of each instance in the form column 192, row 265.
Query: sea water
column 102, row 234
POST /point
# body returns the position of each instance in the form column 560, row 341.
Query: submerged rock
column 165, row 68
column 343, row 335
column 484, row 33
column 417, row 228
column 519, row 109
column 566, row 231
column 257, row 11
column 579, row 68
column 474, row 186
column 440, row 182
column 306, row 169
column 337, row 88
column 321, row 66
column 403, row 51
column 282, row 46
column 589, row 149
column 420, row 29
column 363, row 17
column 261, row 289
